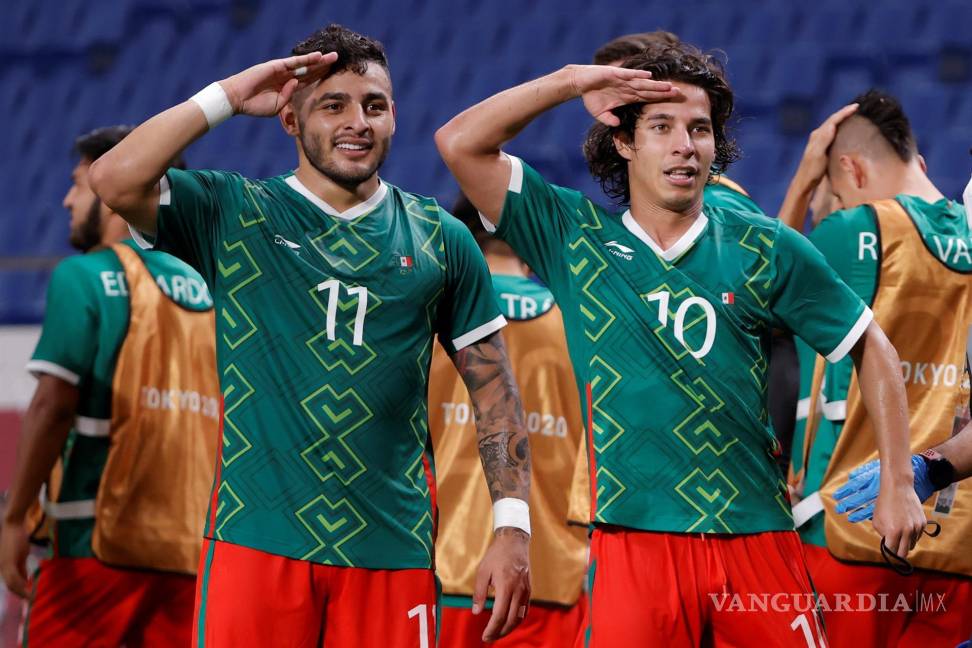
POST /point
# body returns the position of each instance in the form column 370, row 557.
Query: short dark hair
column 96, row 143
column 624, row 47
column 355, row 51
column 885, row 112
column 684, row 63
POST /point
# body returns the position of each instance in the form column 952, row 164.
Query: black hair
column 624, row 47
column 684, row 63
column 885, row 112
column 96, row 143
column 355, row 51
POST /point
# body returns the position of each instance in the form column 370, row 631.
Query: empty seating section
column 68, row 66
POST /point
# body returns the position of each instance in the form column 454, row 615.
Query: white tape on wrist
column 511, row 512
column 214, row 103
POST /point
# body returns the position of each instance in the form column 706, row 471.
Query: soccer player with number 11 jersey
column 329, row 287
column 669, row 308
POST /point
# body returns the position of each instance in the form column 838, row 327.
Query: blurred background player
column 720, row 191
column 904, row 248
column 685, row 448
column 127, row 398
column 334, row 285
column 538, row 354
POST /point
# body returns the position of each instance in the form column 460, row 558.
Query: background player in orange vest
column 538, row 355
column 89, row 411
column 904, row 248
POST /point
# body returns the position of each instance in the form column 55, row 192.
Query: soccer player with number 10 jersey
column 668, row 309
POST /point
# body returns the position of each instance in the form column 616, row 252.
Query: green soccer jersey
column 521, row 298
column 717, row 195
column 324, row 331
column 850, row 241
column 85, row 323
column 670, row 349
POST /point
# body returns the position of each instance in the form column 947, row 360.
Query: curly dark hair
column 624, row 47
column 355, row 51
column 684, row 63
column 885, row 112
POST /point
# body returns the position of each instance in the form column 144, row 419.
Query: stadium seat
column 66, row 69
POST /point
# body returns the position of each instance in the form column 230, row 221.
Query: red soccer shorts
column 684, row 590
column 246, row 597
column 544, row 626
column 867, row 605
column 83, row 602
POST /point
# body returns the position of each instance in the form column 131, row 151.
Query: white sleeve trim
column 140, row 239
column 37, row 367
column 835, row 410
column 79, row 510
column 92, row 427
column 852, row 336
column 803, row 408
column 807, row 508
column 165, row 191
column 488, row 224
column 479, row 333
column 516, row 174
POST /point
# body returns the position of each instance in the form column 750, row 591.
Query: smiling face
column 672, row 150
column 344, row 124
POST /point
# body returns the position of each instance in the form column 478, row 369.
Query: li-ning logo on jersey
column 619, row 250
column 279, row 240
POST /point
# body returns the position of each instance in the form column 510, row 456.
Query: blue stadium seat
column 790, row 65
column 950, row 164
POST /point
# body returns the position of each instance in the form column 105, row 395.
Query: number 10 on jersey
column 664, row 297
column 333, row 287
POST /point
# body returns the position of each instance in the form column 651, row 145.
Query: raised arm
column 46, row 426
column 813, row 167
column 470, row 143
column 504, row 450
column 126, row 178
column 898, row 515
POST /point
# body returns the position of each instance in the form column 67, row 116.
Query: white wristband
column 214, row 103
column 511, row 512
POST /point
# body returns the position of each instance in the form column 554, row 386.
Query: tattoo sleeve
column 503, row 445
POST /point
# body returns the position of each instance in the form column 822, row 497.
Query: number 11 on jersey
column 333, row 286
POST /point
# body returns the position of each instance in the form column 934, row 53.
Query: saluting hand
column 262, row 90
column 605, row 87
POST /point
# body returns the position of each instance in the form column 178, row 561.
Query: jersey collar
column 348, row 214
column 680, row 247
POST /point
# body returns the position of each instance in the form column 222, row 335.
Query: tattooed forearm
column 503, row 445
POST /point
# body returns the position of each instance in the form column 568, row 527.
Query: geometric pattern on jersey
column 679, row 424
column 324, row 331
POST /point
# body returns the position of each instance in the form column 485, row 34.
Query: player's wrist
column 937, row 471
column 567, row 79
column 215, row 104
column 511, row 512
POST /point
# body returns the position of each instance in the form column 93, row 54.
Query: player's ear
column 853, row 169
column 394, row 112
column 288, row 118
column 922, row 164
column 622, row 144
